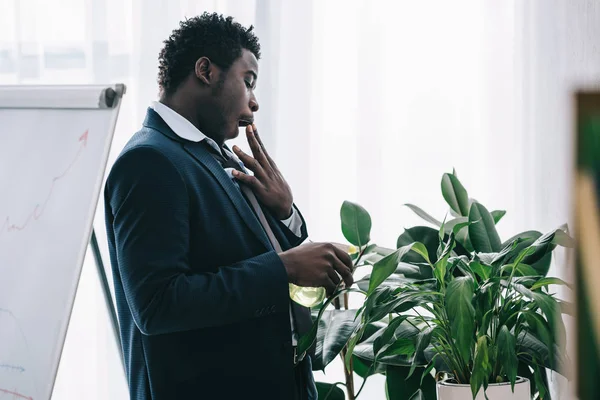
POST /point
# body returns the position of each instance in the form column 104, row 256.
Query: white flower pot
column 495, row 391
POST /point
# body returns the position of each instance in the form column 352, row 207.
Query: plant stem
column 369, row 371
column 348, row 372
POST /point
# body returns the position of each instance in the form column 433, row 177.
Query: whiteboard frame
column 71, row 97
column 61, row 96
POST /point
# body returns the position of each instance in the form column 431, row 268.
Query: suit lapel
column 200, row 153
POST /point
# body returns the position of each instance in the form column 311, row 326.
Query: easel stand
column 106, row 293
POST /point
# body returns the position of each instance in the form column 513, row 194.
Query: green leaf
column 423, row 341
column 566, row 308
column 482, row 367
column 520, row 270
column 482, row 231
column 507, row 352
column 386, row 266
column 422, row 234
column 364, row 368
column 540, row 381
column 539, row 326
column 399, row 386
column 450, row 225
column 483, row 271
column 387, row 334
column 455, row 194
column 329, row 391
column 497, row 215
column 550, row 281
column 364, row 349
column 427, row 371
column 563, row 239
column 356, row 224
column 525, row 239
column 401, row 347
column 352, row 345
column 305, row 341
column 439, row 269
column 461, row 314
column 542, row 266
column 334, row 331
column 424, row 215
column 418, row 395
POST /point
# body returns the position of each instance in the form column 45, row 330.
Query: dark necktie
column 301, row 315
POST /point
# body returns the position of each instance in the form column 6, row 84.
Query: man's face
column 234, row 95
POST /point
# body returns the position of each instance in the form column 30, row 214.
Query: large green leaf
column 400, row 347
column 530, row 348
column 541, row 266
column 459, row 307
column 507, row 354
column 334, row 331
column 497, row 215
column 364, row 368
column 422, row 234
column 482, row 231
column 329, row 391
column 387, row 334
column 541, row 255
column 520, row 269
column 356, row 224
column 386, row 266
column 401, row 388
column 306, row 341
column 424, row 215
column 423, row 340
column 550, row 281
column 455, row 194
column 481, row 366
column 525, row 239
column 450, row 225
column 364, row 349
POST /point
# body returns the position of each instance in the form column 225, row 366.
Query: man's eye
column 248, row 85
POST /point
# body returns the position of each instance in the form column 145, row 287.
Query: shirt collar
column 185, row 129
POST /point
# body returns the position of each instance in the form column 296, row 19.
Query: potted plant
column 452, row 301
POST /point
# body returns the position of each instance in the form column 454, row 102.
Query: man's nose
column 254, row 103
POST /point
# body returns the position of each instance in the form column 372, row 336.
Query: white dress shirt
column 186, row 130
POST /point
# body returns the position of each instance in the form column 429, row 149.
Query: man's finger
column 334, row 276
column 329, row 287
column 248, row 161
column 262, row 146
column 256, row 148
column 344, row 271
column 344, row 257
column 246, row 179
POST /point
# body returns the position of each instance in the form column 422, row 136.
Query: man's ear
column 204, row 70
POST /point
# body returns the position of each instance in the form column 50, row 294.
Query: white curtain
column 365, row 100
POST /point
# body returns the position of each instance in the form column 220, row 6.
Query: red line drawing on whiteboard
column 15, row 374
column 15, row 394
column 39, row 208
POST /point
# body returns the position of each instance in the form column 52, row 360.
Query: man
column 202, row 251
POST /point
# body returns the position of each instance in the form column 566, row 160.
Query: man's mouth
column 243, row 122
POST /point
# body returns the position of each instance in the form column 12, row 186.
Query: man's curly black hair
column 208, row 35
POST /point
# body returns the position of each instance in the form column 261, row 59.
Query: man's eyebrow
column 252, row 73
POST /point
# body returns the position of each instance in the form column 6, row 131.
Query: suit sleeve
column 294, row 228
column 149, row 203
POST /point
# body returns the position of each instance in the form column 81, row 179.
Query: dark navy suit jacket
column 202, row 298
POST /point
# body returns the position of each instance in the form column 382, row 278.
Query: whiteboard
column 54, row 145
